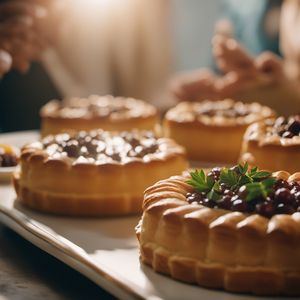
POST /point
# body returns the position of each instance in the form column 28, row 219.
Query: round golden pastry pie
column 273, row 144
column 95, row 112
column 232, row 229
column 212, row 130
column 94, row 173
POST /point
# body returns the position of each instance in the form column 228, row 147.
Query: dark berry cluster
column 95, row 143
column 283, row 198
column 236, row 110
column 105, row 111
column 287, row 128
column 8, row 160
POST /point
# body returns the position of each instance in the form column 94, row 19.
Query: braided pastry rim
column 165, row 203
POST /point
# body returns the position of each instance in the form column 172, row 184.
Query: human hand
column 26, row 29
column 231, row 56
column 241, row 73
column 194, row 85
column 5, row 62
column 232, row 59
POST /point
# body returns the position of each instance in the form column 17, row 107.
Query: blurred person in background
column 26, row 30
column 252, row 69
column 124, row 47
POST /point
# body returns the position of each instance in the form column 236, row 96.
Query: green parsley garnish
column 259, row 189
column 205, row 184
column 258, row 183
column 200, row 181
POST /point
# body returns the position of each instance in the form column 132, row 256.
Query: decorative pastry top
column 225, row 112
column 8, row 156
column 100, row 147
column 105, row 107
column 284, row 131
column 246, row 190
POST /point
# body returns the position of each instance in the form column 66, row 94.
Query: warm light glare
column 98, row 2
column 95, row 4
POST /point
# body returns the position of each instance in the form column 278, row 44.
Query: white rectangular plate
column 104, row 250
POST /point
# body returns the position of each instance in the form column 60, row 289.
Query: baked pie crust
column 54, row 178
column 270, row 151
column 212, row 130
column 218, row 248
column 106, row 112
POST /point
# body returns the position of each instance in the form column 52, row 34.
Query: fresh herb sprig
column 259, row 189
column 205, row 184
column 200, row 181
column 241, row 176
column 258, row 183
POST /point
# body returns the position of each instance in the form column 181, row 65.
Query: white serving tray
column 104, row 250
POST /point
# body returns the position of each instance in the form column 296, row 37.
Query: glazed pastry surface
column 212, row 130
column 276, row 138
column 105, row 112
column 94, row 173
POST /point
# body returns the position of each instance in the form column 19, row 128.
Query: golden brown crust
column 214, row 138
column 56, row 183
column 258, row 147
column 218, row 248
column 76, row 205
column 193, row 113
column 109, row 113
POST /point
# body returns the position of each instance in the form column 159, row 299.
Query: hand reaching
column 230, row 55
column 25, row 31
column 188, row 86
column 241, row 73
column 5, row 62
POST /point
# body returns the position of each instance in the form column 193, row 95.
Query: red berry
column 284, row 195
column 225, row 202
column 239, row 205
column 243, row 192
column 265, row 209
column 282, row 208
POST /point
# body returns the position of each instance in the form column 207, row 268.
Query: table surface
column 26, row 272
